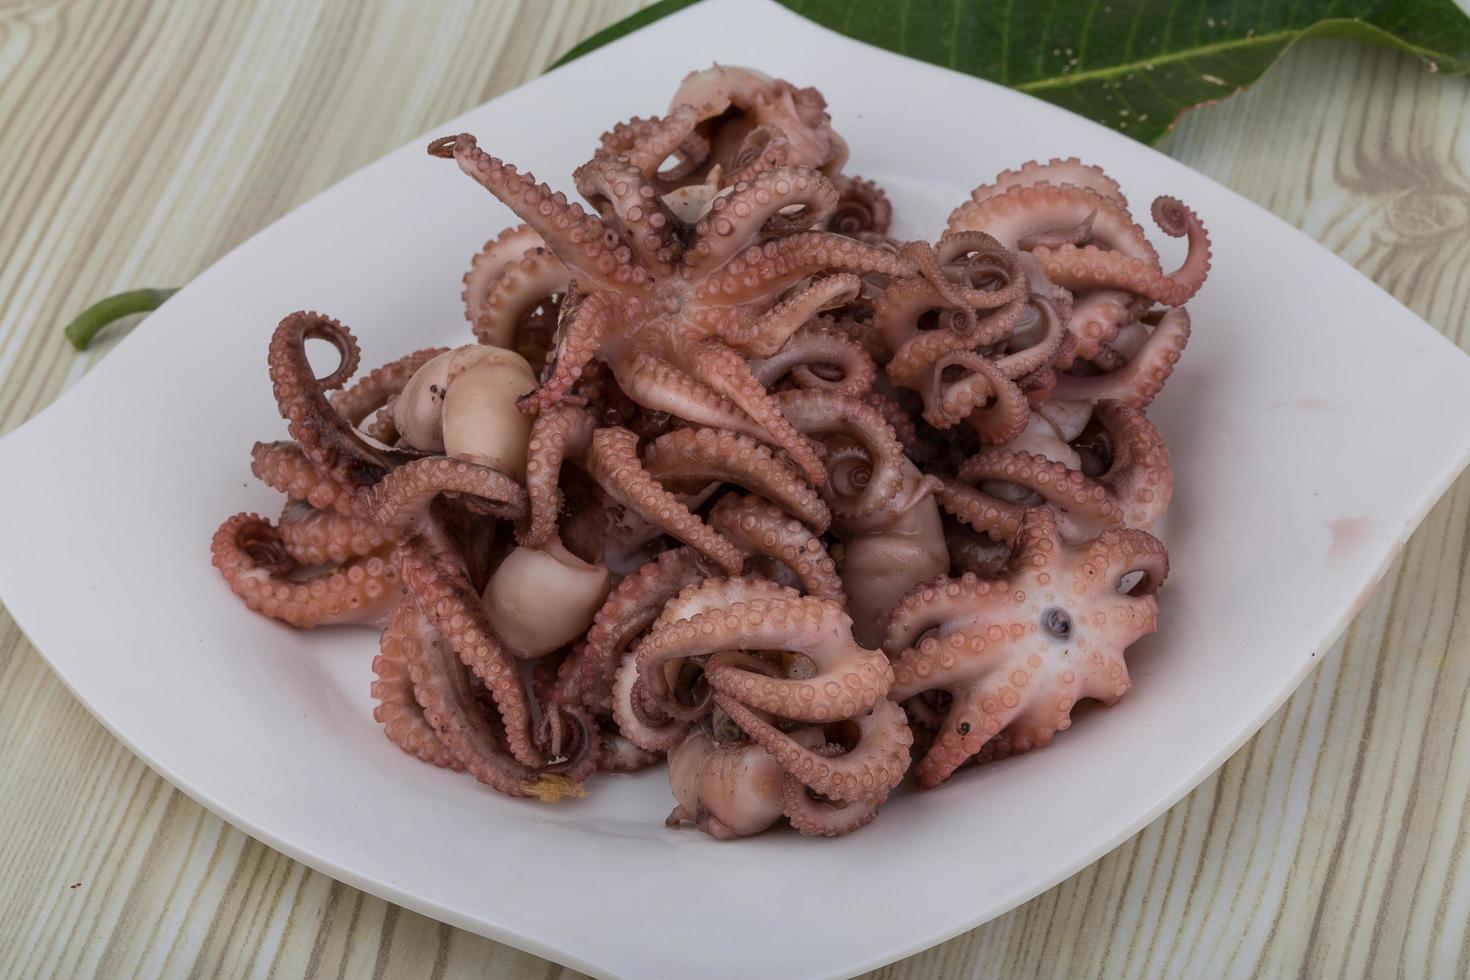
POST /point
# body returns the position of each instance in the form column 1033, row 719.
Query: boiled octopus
column 728, row 478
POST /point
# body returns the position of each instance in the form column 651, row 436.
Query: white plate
column 1313, row 421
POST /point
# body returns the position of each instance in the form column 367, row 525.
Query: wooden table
column 143, row 140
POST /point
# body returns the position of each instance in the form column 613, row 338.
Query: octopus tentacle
column 398, row 710
column 1097, row 316
column 285, row 467
column 1033, row 209
column 523, row 285
column 848, row 678
column 324, row 436
column 1089, row 267
column 915, row 351
column 628, row 612
column 691, row 459
column 820, row 345
column 617, row 188
column 823, row 818
column 764, row 148
column 862, row 208
column 1047, row 335
column 859, row 484
column 442, row 685
column 994, row 405
column 652, row 733
column 1140, row 477
column 930, row 605
column 647, row 143
column 899, row 421
column 1119, row 551
column 249, row 554
column 582, row 330
column 373, row 390
column 660, row 386
column 439, row 587
column 1138, row 381
column 491, row 261
column 759, row 206
column 1069, row 170
column 578, row 238
column 768, row 335
column 572, row 739
column 962, row 300
column 759, row 527
column 966, row 728
column 728, row 374
column 991, row 516
column 1078, row 234
column 717, row 595
column 559, row 433
column 869, row 771
column 403, row 497
column 613, row 462
column 315, row 537
column 786, row 261
column 1082, row 501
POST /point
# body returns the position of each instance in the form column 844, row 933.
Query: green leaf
column 1134, row 66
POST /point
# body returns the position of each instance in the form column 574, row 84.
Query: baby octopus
column 996, row 665
column 675, row 307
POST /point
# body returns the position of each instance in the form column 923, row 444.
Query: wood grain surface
column 140, row 141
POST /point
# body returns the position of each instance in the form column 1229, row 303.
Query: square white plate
column 1313, row 421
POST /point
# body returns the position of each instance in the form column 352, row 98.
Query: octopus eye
column 1057, row 623
column 964, row 728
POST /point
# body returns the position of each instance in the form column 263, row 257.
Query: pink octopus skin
column 398, row 709
column 316, row 537
column 1140, row 380
column 738, row 789
column 677, row 311
column 774, row 545
column 884, row 510
column 847, row 678
column 813, row 355
column 731, row 789
column 1108, row 262
column 283, row 466
column 323, row 435
column 737, row 107
column 782, row 548
column 1135, row 489
column 450, row 710
column 1016, row 654
column 250, row 555
column 989, row 350
column 648, row 486
column 626, row 615
column 509, row 278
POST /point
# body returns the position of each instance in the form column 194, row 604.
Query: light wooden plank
column 157, row 136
